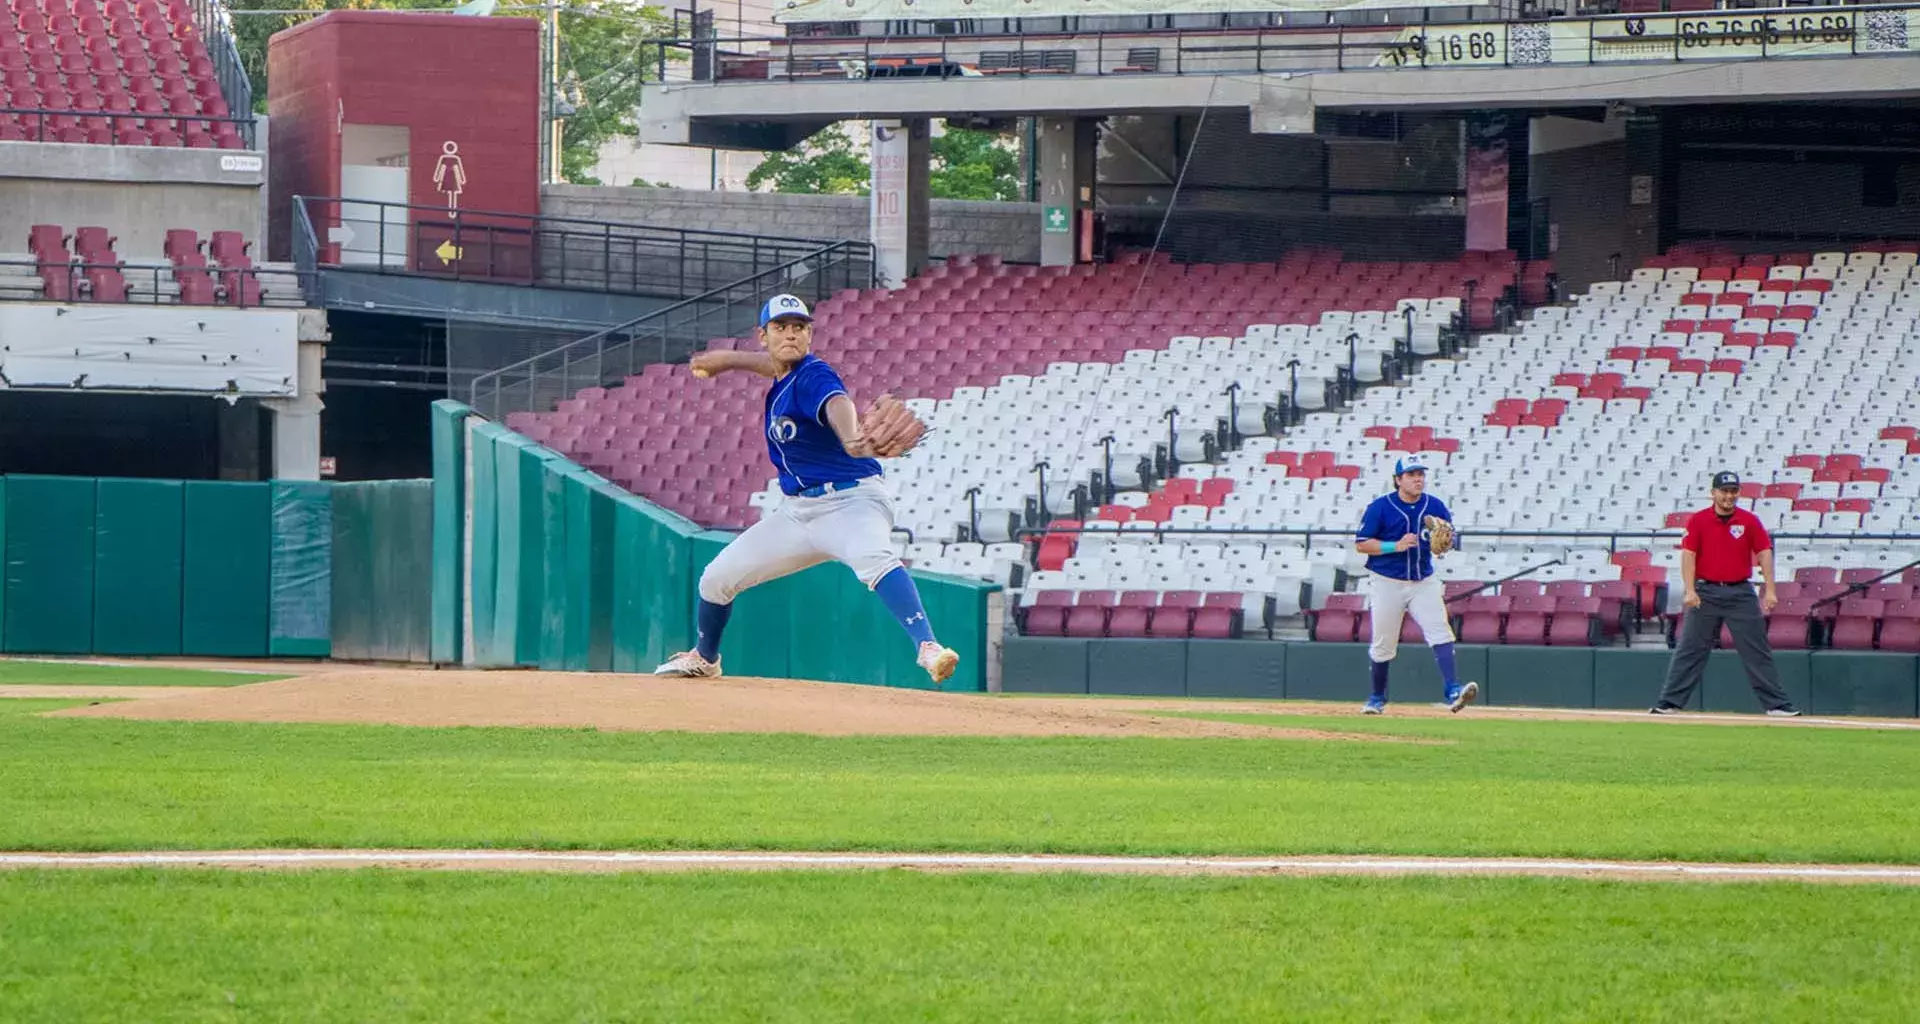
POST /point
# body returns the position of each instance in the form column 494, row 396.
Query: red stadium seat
column 1527, row 622
column 1174, row 621
column 1092, row 622
column 1484, row 617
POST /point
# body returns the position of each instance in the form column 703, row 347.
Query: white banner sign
column 1711, row 35
column 183, row 349
column 887, row 208
column 791, row 11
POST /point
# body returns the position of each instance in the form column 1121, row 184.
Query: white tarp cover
column 787, row 11
column 198, row 349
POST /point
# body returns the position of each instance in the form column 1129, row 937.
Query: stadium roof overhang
column 778, row 114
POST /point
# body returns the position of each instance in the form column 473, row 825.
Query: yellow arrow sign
column 448, row 252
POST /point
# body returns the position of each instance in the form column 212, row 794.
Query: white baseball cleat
column 938, row 661
column 691, row 665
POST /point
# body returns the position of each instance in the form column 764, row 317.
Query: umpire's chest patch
column 1738, row 530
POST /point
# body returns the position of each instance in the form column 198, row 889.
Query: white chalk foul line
column 966, row 861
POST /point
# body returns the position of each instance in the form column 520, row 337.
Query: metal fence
column 1591, row 539
column 535, row 251
column 670, row 334
column 216, row 30
column 1666, row 33
column 122, row 127
column 152, row 284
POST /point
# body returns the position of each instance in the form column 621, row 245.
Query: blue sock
column 1380, row 678
column 711, row 621
column 1443, row 653
column 902, row 598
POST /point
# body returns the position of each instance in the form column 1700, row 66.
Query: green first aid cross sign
column 1054, row 220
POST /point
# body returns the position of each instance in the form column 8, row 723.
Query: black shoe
column 1664, row 708
column 1784, row 711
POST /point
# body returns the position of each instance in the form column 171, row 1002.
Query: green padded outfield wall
column 49, row 572
column 822, row 623
column 163, row 567
column 1820, row 682
column 382, row 570
column 567, row 571
column 225, row 587
column 449, row 527
column 138, row 546
column 299, row 624
column 653, row 584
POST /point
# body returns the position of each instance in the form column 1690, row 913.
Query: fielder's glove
column 1439, row 534
column 890, row 429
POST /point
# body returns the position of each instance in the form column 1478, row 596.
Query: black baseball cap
column 1726, row 479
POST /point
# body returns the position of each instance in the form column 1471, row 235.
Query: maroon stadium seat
column 1046, row 620
column 1087, row 621
column 1617, row 605
column 1171, row 621
column 1900, row 629
column 1854, row 628
column 1787, row 627
column 1482, row 621
column 1127, row 621
column 1527, row 622
column 1576, row 622
column 1213, row 623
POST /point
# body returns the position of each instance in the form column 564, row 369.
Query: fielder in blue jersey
column 837, row 508
column 1401, row 581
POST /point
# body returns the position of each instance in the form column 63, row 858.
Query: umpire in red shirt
column 1717, row 556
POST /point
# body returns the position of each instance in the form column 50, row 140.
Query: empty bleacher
column 86, row 266
column 111, row 72
column 1597, row 419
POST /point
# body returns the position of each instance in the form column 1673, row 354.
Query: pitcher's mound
column 647, row 703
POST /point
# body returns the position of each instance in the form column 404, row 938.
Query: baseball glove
column 889, row 428
column 1439, row 534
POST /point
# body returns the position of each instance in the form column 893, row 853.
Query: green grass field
column 64, row 673
column 1628, row 790
column 883, row 946
column 896, row 946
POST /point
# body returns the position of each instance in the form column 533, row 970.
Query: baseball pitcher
column 837, row 508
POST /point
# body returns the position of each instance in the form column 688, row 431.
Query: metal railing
column 533, row 250
column 1611, row 539
column 1531, row 42
column 42, row 124
column 210, row 17
column 162, row 284
column 669, row 334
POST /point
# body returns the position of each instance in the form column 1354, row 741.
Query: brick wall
column 1009, row 229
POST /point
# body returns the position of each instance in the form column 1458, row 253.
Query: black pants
column 1739, row 608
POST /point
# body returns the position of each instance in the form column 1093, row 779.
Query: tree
column 607, row 48
column 965, row 164
column 970, row 164
column 825, row 164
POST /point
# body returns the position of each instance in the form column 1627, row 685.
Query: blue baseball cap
column 784, row 307
column 1408, row 466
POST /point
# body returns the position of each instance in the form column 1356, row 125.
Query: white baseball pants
column 1390, row 600
column 854, row 527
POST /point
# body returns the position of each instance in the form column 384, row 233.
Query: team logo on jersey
column 782, row 429
column 1738, row 531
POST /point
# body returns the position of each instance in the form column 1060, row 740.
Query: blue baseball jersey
column 804, row 449
column 1389, row 518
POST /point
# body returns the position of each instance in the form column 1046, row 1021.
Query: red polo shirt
column 1725, row 549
